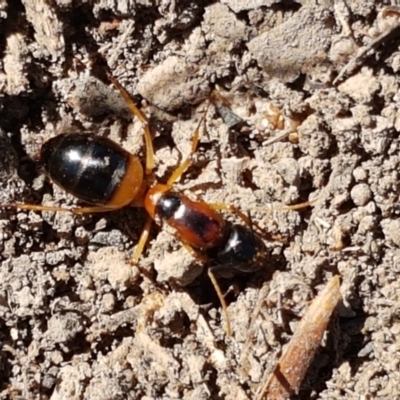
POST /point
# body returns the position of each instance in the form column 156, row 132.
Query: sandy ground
column 316, row 88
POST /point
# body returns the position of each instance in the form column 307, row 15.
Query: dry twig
column 287, row 376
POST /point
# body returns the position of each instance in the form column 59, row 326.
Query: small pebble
column 361, row 194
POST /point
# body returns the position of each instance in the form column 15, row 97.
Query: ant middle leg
column 181, row 169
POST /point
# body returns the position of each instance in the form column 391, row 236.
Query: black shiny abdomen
column 87, row 166
column 243, row 249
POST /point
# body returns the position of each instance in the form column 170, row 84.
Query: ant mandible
column 101, row 173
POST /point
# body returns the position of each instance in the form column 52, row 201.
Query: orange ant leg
column 93, row 209
column 234, row 210
column 77, row 210
column 186, row 164
column 35, row 207
column 142, row 118
column 213, row 279
column 214, row 282
column 142, row 241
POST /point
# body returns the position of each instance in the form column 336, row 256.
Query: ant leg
column 142, row 118
column 142, row 241
column 35, row 207
column 234, row 210
column 186, row 164
column 221, row 297
column 246, row 219
column 77, row 210
column 93, row 209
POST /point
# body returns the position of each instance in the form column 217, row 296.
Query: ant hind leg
column 142, row 118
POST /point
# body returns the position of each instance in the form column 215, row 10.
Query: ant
column 101, row 173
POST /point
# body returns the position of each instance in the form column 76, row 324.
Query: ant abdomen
column 92, row 168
